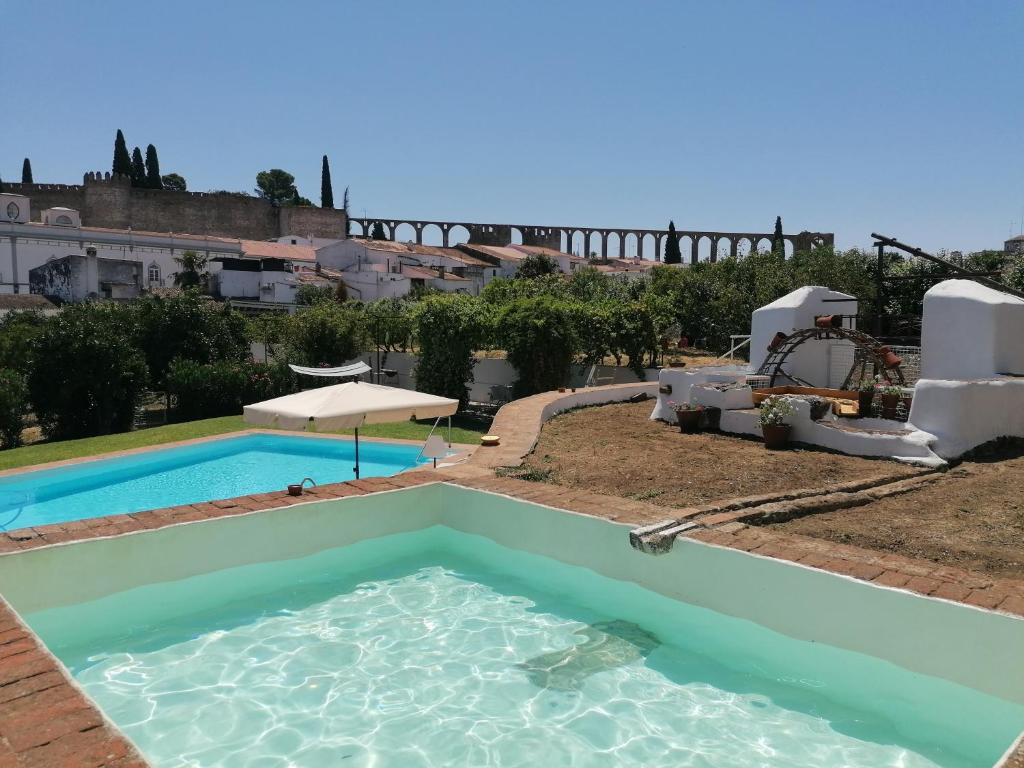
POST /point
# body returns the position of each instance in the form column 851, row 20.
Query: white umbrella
column 348, row 406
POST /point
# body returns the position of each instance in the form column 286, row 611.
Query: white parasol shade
column 348, row 406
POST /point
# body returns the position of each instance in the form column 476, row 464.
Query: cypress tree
column 672, row 253
column 138, row 173
column 153, row 180
column 326, row 193
column 122, row 160
column 778, row 244
column 348, row 220
column 26, row 172
column 1, row 186
column 377, row 233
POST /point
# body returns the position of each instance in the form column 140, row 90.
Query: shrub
column 17, row 330
column 449, row 327
column 325, row 334
column 540, row 339
column 309, row 294
column 190, row 327
column 206, row 390
column 13, row 405
column 87, row 376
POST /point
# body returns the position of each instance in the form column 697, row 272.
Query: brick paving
column 46, row 721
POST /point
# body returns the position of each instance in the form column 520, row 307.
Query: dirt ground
column 618, row 450
column 971, row 518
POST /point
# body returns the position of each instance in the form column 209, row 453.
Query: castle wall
column 113, row 203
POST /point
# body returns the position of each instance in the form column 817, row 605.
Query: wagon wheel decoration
column 868, row 350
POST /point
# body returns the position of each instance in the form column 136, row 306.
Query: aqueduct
column 647, row 243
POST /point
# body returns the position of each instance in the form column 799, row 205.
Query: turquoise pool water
column 218, row 469
column 438, row 648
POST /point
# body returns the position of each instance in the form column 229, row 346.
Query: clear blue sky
column 900, row 117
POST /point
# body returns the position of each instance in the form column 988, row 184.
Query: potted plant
column 774, row 412
column 890, row 400
column 688, row 415
column 865, row 397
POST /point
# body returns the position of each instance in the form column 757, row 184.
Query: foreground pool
column 166, row 477
column 440, row 626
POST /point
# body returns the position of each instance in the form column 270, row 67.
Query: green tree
column 672, row 253
column 309, row 294
column 348, row 219
column 390, row 324
column 377, row 232
column 153, row 178
column 26, row 172
column 13, row 407
column 87, row 374
column 326, row 334
column 122, row 160
column 174, row 182
column 1, row 186
column 138, row 169
column 449, row 329
column 276, row 186
column 192, row 272
column 778, row 243
column 537, row 265
column 187, row 327
column 17, row 332
column 539, row 336
column 326, row 192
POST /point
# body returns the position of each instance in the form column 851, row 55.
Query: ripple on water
column 433, row 669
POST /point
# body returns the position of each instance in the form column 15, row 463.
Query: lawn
column 463, row 431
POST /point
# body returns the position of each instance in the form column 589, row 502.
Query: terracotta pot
column 689, row 421
column 889, row 403
column 295, row 489
column 776, row 436
column 864, row 400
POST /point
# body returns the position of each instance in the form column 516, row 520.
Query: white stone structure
column 972, row 366
column 793, row 312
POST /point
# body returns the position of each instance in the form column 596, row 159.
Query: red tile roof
column 263, row 249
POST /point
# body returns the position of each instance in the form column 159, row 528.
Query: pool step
column 657, row 538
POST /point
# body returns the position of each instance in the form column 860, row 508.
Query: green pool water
column 438, row 648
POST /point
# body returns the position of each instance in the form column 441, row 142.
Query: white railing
column 736, row 345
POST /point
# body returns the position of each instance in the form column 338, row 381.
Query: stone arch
column 577, row 242
column 516, row 237
column 647, row 247
column 431, row 234
column 456, row 234
column 353, row 223
column 764, row 244
column 631, row 245
column 594, row 242
column 405, row 232
column 789, row 247
column 612, row 245
column 703, row 247
column 723, row 247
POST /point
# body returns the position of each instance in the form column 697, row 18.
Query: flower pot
column 776, row 436
column 864, row 400
column 689, row 421
column 889, row 404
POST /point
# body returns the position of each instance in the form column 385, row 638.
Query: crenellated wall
column 106, row 201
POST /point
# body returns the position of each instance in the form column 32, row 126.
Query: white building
column 26, row 245
column 374, row 269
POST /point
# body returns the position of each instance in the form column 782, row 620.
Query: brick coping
column 82, row 731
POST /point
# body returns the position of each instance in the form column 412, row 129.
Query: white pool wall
column 980, row 649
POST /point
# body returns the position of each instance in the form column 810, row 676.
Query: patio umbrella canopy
column 348, row 406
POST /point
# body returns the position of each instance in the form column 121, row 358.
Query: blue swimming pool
column 218, row 469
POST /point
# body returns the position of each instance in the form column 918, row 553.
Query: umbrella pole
column 357, row 453
column 449, row 431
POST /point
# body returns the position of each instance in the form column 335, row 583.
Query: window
column 154, row 273
column 64, row 221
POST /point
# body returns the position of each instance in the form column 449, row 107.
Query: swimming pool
column 441, row 626
column 215, row 469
